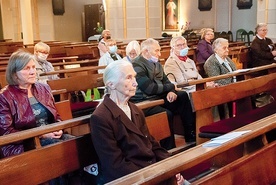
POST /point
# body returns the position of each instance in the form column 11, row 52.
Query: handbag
column 263, row 99
column 236, row 59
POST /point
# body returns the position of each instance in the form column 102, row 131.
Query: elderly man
column 153, row 84
column 111, row 54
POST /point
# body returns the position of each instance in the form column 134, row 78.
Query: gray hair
column 175, row 39
column 217, row 43
column 113, row 72
column 148, row 43
column 259, row 26
column 133, row 45
column 42, row 45
column 17, row 62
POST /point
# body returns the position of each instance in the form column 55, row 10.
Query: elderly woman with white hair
column 219, row 63
column 118, row 127
column 132, row 50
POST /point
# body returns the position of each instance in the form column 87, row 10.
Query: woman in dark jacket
column 118, row 128
column 204, row 47
column 25, row 104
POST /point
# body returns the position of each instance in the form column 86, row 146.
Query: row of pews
column 235, row 161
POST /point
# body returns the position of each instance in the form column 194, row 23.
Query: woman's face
column 127, row 84
column 132, row 54
column 209, row 35
column 222, row 49
column 27, row 76
column 179, row 45
column 262, row 31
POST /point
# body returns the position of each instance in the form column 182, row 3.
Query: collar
column 183, row 58
column 220, row 59
column 260, row 37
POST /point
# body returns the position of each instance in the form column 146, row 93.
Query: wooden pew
column 64, row 73
column 45, row 163
column 204, row 100
column 233, row 150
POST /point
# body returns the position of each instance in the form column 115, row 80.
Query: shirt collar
column 220, row 59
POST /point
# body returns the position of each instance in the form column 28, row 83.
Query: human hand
column 180, row 179
column 273, row 53
column 211, row 84
column 56, row 135
column 171, row 97
column 176, row 88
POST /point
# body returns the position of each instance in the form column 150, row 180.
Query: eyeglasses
column 180, row 45
column 44, row 52
column 263, row 29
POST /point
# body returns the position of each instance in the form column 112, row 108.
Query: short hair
column 175, row 39
column 148, row 43
column 42, row 45
column 17, row 62
column 113, row 72
column 133, row 45
column 204, row 31
column 259, row 25
column 218, row 42
column 104, row 32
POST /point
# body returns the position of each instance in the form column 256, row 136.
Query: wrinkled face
column 179, row 45
column 222, row 49
column 132, row 54
column 209, row 35
column 262, row 31
column 155, row 50
column 41, row 54
column 127, row 84
column 27, row 75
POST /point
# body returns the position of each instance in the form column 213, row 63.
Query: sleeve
column 152, row 86
column 160, row 153
column 106, row 147
column 212, row 68
column 102, row 47
column 7, row 127
column 261, row 50
column 176, row 74
column 202, row 49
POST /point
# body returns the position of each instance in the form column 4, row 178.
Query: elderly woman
column 118, row 128
column 41, row 52
column 111, row 54
column 25, row 104
column 132, row 50
column 204, row 47
column 262, row 48
column 219, row 63
column 179, row 67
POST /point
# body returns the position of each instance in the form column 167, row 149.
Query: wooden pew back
column 41, row 164
column 204, row 100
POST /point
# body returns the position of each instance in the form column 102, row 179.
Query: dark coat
column 16, row 113
column 203, row 51
column 123, row 145
column 261, row 53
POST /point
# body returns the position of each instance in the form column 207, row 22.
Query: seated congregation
column 134, row 126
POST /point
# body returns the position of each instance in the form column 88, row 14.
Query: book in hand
column 224, row 138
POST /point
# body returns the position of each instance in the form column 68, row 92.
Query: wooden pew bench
column 41, row 164
column 235, row 153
